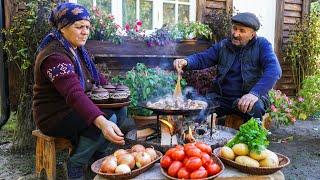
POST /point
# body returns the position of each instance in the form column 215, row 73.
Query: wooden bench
column 235, row 121
column 46, row 148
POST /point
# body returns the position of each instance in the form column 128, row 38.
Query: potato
column 247, row 161
column 271, row 160
column 272, row 155
column 227, row 153
column 254, row 155
column 240, row 149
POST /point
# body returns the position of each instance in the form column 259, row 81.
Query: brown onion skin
column 109, row 164
column 138, row 148
column 127, row 159
column 122, row 168
column 119, row 152
column 142, row 159
column 152, row 153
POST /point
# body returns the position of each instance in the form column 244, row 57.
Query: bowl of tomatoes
column 191, row 161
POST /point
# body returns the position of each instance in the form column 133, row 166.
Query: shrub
column 145, row 84
column 220, row 23
column 303, row 49
column 282, row 107
column 201, row 80
column 192, row 30
column 309, row 97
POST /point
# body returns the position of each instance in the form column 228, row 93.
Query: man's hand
column 179, row 64
column 246, row 102
column 110, row 130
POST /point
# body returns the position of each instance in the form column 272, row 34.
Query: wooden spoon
column 177, row 90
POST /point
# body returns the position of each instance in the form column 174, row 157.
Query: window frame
column 157, row 13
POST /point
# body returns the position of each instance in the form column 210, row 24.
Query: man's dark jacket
column 260, row 68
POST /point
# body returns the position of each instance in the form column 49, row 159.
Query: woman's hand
column 179, row 64
column 110, row 130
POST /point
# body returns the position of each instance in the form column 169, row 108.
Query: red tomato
column 170, row 151
column 193, row 163
column 183, row 173
column 188, row 145
column 165, row 161
column 193, row 152
column 210, row 162
column 179, row 147
column 185, row 160
column 174, row 168
column 212, row 168
column 205, row 157
column 178, row 154
column 204, row 147
column 199, row 174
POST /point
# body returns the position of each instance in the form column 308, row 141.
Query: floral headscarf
column 63, row 15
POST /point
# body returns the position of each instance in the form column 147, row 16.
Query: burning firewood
column 188, row 137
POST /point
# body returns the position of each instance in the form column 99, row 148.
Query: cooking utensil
column 177, row 91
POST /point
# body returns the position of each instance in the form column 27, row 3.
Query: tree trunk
column 25, row 123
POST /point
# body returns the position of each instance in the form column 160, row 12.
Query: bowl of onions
column 127, row 163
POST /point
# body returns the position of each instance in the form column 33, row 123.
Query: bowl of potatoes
column 252, row 162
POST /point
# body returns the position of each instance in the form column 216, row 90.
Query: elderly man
column 247, row 68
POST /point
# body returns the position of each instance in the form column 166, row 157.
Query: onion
column 152, row 153
column 119, row 152
column 142, row 159
column 127, row 159
column 134, row 154
column 122, row 168
column 138, row 148
column 109, row 164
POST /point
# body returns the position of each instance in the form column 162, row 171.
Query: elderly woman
column 63, row 72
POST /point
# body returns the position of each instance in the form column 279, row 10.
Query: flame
column 168, row 124
column 188, row 137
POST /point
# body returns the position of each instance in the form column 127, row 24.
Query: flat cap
column 247, row 19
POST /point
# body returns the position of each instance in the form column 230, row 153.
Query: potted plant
column 145, row 84
column 190, row 32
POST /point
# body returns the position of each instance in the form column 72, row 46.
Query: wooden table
column 228, row 174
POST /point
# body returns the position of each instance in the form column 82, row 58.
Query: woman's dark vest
column 49, row 107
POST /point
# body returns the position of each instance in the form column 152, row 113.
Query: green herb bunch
column 251, row 134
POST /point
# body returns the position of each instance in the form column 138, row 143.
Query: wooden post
column 201, row 10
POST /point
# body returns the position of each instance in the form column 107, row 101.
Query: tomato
column 193, row 163
column 185, row 160
column 174, row 168
column 209, row 162
column 205, row 157
column 212, row 168
column 189, row 145
column 204, row 147
column 193, row 152
column 199, row 174
column 183, row 173
column 170, row 151
column 178, row 154
column 179, row 147
column 165, row 161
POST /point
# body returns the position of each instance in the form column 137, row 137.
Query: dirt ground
column 301, row 143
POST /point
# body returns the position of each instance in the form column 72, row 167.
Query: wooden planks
column 294, row 1
column 293, row 7
column 216, row 5
column 288, row 13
